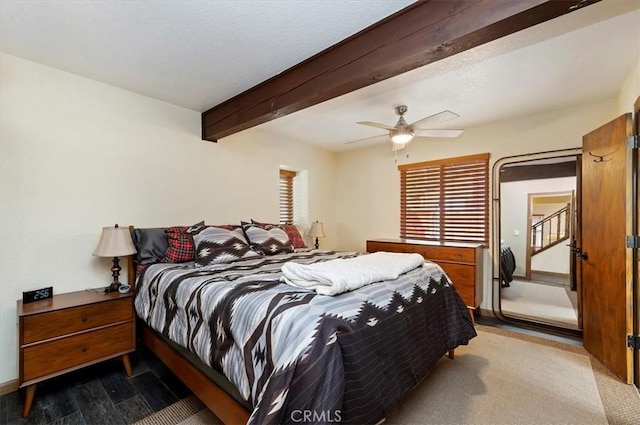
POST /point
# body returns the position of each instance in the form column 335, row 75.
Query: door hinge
column 633, row 241
column 633, row 341
column 633, row 142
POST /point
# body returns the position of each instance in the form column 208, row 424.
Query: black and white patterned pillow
column 267, row 241
column 216, row 245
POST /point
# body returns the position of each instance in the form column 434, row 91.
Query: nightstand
column 70, row 331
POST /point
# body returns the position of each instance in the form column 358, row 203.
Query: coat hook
column 600, row 158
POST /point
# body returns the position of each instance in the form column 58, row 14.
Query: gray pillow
column 151, row 245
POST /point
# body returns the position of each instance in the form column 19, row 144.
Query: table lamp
column 115, row 242
column 316, row 231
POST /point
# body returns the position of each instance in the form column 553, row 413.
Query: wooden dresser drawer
column 444, row 253
column 461, row 262
column 59, row 354
column 460, row 274
column 467, row 294
column 64, row 322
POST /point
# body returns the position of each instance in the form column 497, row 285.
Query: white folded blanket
column 341, row 275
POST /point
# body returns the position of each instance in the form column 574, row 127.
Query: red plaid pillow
column 181, row 248
column 292, row 231
column 294, row 236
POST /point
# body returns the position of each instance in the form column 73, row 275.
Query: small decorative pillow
column 292, row 231
column 151, row 244
column 181, row 248
column 217, row 245
column 267, row 240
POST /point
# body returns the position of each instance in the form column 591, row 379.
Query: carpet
column 545, row 303
column 501, row 377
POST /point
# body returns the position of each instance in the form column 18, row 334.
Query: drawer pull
column 84, row 318
column 84, row 348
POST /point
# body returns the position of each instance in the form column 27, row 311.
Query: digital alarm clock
column 37, row 295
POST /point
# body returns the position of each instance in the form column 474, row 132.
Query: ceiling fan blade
column 375, row 124
column 369, row 139
column 439, row 133
column 435, row 118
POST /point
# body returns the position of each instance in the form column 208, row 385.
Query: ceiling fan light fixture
column 401, row 137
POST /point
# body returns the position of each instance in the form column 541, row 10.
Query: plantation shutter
column 286, row 196
column 446, row 200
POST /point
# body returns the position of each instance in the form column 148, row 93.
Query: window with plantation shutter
column 286, row 196
column 446, row 200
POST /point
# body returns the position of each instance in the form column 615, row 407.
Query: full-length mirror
column 538, row 212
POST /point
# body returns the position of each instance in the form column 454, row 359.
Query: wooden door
column 636, row 288
column 606, row 217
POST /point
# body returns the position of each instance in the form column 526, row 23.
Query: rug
column 501, row 377
column 546, row 303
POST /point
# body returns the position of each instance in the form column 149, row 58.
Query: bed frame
column 215, row 398
column 228, row 410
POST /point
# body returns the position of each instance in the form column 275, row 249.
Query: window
column 286, row 196
column 446, row 200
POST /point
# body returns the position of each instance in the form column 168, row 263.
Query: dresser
column 70, row 331
column 462, row 262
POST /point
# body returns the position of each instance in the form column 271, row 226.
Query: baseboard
column 554, row 274
column 9, row 387
column 486, row 313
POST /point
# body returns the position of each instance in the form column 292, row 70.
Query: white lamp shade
column 115, row 242
column 316, row 230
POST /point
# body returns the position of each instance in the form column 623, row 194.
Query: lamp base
column 115, row 273
column 317, row 244
column 114, row 287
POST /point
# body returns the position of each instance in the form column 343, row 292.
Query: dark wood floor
column 99, row 394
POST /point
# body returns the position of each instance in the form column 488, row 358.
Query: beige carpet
column 546, row 303
column 500, row 378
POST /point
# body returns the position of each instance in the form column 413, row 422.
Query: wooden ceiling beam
column 422, row 33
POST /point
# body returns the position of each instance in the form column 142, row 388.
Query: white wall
column 514, row 197
column 555, row 260
column 77, row 155
column 368, row 192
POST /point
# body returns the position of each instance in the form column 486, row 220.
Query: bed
column 258, row 350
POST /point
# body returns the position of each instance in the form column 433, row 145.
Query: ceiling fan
column 402, row 133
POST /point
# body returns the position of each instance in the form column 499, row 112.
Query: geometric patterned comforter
column 301, row 357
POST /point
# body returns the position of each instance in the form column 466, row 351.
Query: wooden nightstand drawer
column 72, row 330
column 60, row 354
column 64, row 322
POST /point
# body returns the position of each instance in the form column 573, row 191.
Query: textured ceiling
column 194, row 54
column 197, row 54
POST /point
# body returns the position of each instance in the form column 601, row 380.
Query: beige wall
column 77, row 155
column 369, row 190
column 630, row 90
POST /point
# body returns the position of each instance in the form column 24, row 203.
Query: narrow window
column 446, row 200
column 286, row 196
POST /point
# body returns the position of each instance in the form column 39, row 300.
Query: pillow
column 267, row 240
column 151, row 245
column 181, row 248
column 217, row 245
column 292, row 231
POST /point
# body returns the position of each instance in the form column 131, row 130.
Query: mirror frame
column 496, row 236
